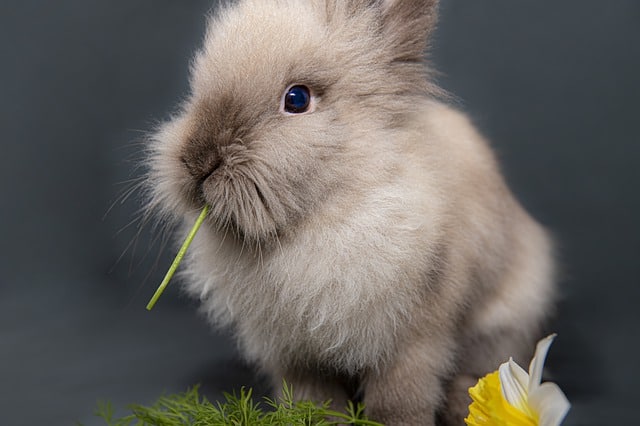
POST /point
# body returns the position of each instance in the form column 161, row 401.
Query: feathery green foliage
column 192, row 409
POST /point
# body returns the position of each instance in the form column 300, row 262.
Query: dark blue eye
column 297, row 99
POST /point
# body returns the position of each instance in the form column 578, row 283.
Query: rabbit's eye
column 297, row 99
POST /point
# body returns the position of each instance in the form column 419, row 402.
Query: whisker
column 133, row 185
column 140, row 221
column 162, row 236
column 154, row 267
column 224, row 236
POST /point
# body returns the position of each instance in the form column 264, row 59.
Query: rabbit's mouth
column 238, row 203
column 231, row 180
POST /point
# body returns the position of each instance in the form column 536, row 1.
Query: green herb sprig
column 191, row 409
column 174, row 266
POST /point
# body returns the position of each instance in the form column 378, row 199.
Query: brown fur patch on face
column 217, row 157
column 217, row 123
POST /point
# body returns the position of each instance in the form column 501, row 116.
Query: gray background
column 554, row 85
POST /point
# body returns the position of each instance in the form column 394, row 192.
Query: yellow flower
column 511, row 397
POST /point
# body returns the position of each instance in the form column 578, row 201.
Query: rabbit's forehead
column 254, row 38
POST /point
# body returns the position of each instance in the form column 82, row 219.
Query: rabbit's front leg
column 409, row 391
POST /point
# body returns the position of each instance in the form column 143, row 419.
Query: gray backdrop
column 553, row 84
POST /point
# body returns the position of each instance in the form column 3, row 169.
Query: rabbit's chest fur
column 337, row 293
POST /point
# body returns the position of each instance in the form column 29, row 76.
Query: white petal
column 514, row 382
column 537, row 363
column 550, row 403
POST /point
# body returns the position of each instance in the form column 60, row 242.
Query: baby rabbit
column 361, row 241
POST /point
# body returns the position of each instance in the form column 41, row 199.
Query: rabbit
column 361, row 242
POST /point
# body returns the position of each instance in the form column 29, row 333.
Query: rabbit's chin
column 238, row 210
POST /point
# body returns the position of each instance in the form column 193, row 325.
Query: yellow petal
column 489, row 408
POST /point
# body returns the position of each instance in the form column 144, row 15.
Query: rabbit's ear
column 408, row 25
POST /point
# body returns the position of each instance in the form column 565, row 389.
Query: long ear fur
column 408, row 25
column 405, row 24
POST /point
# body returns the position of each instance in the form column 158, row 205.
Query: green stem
column 178, row 259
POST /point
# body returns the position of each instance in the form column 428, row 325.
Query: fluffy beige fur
column 367, row 247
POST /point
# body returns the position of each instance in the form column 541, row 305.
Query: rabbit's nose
column 201, row 162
